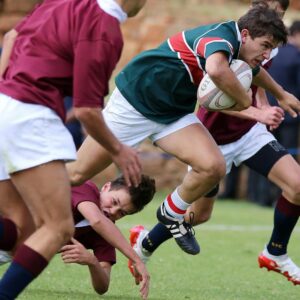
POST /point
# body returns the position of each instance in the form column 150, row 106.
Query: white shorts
column 249, row 144
column 131, row 127
column 31, row 135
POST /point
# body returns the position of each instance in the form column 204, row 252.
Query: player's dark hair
column 263, row 21
column 140, row 195
column 295, row 28
column 283, row 3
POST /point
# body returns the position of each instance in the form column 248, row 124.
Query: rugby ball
column 212, row 98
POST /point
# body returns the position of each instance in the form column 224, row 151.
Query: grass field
column 226, row 269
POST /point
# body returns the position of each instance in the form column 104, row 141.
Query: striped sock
column 175, row 206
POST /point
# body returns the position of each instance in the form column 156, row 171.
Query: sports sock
column 26, row 266
column 8, row 234
column 286, row 215
column 158, row 234
column 175, row 205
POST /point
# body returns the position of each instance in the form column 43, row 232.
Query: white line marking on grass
column 218, row 227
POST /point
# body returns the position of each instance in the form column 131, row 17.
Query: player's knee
column 198, row 218
column 203, row 217
column 63, row 230
column 214, row 170
column 66, row 230
column 101, row 290
column 76, row 178
column 295, row 193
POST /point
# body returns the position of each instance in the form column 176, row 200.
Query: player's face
column 255, row 51
column 115, row 204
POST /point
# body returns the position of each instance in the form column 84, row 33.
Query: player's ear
column 106, row 187
column 244, row 35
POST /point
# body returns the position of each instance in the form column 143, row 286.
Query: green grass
column 225, row 270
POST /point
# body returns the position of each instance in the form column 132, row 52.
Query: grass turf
column 226, row 269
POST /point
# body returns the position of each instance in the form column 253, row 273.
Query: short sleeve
column 85, row 192
column 209, row 45
column 94, row 62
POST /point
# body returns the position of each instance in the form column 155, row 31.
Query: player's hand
column 142, row 278
column 76, row 253
column 128, row 161
column 271, row 116
column 290, row 104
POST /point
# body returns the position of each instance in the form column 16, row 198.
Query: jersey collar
column 113, row 8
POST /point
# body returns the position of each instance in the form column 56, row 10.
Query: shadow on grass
column 45, row 294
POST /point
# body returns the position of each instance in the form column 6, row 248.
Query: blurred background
column 157, row 21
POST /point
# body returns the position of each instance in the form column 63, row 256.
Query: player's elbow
column 102, row 289
column 75, row 176
column 10, row 36
column 86, row 115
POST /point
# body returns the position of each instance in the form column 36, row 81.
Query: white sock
column 175, row 205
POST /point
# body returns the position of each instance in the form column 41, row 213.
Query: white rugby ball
column 212, row 98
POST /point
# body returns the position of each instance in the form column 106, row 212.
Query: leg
column 194, row 146
column 145, row 243
column 46, row 191
column 92, row 158
column 13, row 208
column 284, row 171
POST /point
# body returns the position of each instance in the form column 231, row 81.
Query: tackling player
column 92, row 209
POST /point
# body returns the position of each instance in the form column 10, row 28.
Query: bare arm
column 125, row 157
column 261, row 97
column 8, row 44
column 286, row 100
column 224, row 78
column 111, row 233
column 269, row 115
column 99, row 271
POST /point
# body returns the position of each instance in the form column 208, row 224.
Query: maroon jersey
column 87, row 235
column 227, row 129
column 64, row 48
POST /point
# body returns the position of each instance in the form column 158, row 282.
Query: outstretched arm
column 111, row 233
column 286, row 101
column 126, row 158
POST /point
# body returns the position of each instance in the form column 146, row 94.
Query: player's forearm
column 265, row 81
column 93, row 122
column 99, row 276
column 111, row 233
column 224, row 78
column 251, row 113
column 261, row 97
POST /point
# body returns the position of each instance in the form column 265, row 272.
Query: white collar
column 113, row 8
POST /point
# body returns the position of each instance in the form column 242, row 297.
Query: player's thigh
column 46, row 191
column 192, row 145
column 286, row 175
